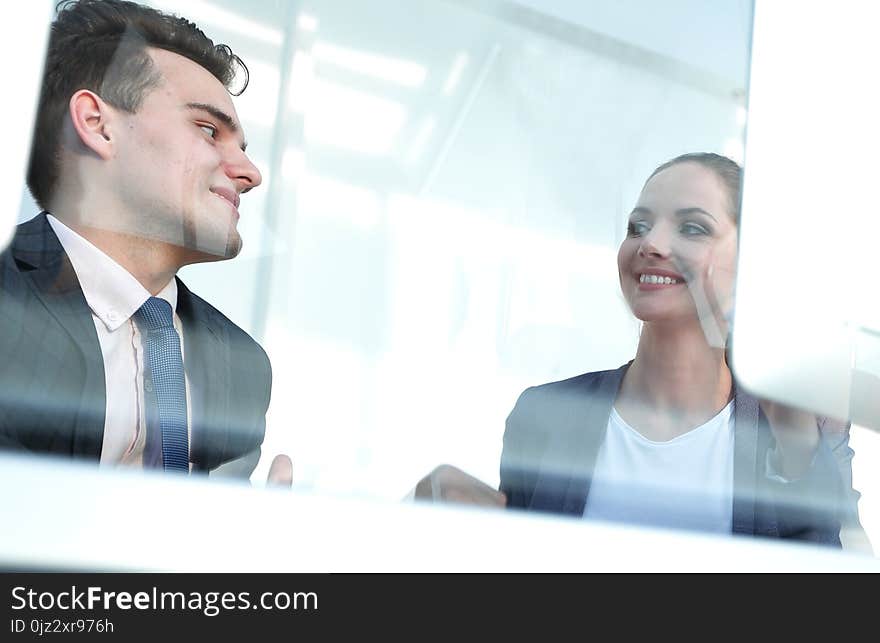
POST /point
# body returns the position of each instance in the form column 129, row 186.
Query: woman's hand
column 449, row 484
column 797, row 436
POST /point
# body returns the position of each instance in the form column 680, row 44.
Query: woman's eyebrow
column 684, row 212
column 681, row 212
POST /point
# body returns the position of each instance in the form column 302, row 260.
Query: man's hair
column 724, row 168
column 100, row 45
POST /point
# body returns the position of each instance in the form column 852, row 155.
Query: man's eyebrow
column 221, row 116
column 640, row 210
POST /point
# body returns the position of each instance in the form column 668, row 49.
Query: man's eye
column 637, row 228
column 210, row 130
column 692, row 229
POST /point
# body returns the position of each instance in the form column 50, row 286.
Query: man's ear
column 92, row 121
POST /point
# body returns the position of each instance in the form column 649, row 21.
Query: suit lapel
column 54, row 280
column 754, row 511
column 207, row 367
column 564, row 486
column 745, row 460
column 51, row 277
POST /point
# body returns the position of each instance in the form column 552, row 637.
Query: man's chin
column 203, row 253
column 233, row 248
column 218, row 245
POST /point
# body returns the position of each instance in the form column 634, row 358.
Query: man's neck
column 152, row 263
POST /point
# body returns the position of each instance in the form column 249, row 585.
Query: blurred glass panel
column 810, row 335
column 27, row 46
column 448, row 188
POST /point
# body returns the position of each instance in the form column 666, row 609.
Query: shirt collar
column 112, row 293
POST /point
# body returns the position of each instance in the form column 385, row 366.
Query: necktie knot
column 155, row 314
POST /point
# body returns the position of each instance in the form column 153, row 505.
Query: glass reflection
column 445, row 191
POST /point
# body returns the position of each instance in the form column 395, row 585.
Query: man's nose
column 241, row 170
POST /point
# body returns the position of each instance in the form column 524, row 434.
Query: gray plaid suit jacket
column 52, row 395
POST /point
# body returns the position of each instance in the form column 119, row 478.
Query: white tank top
column 684, row 483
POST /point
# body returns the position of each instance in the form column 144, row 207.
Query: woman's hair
column 724, row 168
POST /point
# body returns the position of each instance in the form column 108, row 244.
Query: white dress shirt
column 114, row 295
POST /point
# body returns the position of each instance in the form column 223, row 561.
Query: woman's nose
column 655, row 243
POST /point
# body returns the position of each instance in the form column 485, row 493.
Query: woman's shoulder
column 578, row 387
column 592, row 378
column 561, row 409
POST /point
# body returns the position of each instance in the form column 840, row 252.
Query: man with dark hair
column 139, row 162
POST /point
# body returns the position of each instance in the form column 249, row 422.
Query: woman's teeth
column 656, row 279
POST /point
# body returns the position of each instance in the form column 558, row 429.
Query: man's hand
column 449, row 484
column 280, row 472
column 797, row 436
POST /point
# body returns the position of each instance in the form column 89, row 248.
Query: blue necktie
column 164, row 374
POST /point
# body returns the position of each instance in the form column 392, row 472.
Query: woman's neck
column 676, row 382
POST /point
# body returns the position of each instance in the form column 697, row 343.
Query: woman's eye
column 210, row 130
column 637, row 228
column 693, row 229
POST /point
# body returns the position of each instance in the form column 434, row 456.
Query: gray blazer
column 554, row 432
column 52, row 395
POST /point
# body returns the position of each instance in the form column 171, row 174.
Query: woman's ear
column 91, row 118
